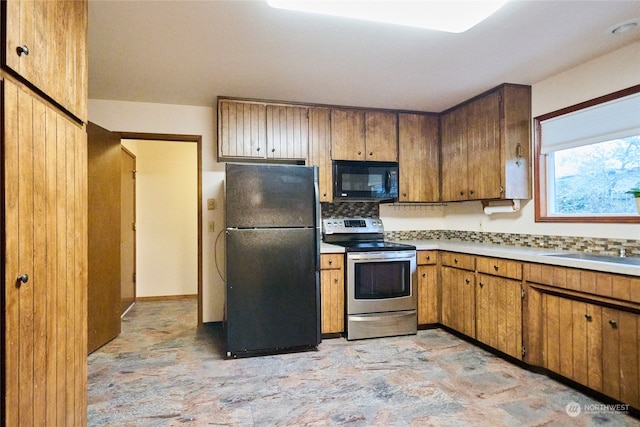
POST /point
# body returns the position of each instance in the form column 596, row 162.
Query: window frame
column 541, row 168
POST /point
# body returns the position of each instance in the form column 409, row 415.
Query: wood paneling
column 347, row 135
column 381, row 136
column 241, row 129
column 332, row 293
column 320, row 150
column 45, row 237
column 418, row 158
column 287, row 132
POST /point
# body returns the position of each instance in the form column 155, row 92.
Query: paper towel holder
column 500, row 206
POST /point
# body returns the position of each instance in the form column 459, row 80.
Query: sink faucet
column 623, row 253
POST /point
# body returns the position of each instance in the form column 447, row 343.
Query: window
column 587, row 158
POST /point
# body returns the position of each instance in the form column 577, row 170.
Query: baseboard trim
column 167, row 297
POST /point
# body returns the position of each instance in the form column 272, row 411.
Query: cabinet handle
column 481, row 285
column 467, row 281
column 335, row 280
column 588, row 317
column 258, row 149
column 455, row 260
column 330, row 261
column 495, row 267
column 613, row 324
column 462, row 193
column 470, row 191
column 324, row 194
column 404, row 194
column 23, row 278
column 22, row 49
column 424, row 274
column 428, row 257
column 359, row 152
column 371, row 153
column 273, row 150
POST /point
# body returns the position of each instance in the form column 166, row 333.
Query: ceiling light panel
column 454, row 16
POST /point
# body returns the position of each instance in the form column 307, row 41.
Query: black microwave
column 365, row 181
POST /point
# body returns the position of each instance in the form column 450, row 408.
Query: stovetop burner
column 359, row 235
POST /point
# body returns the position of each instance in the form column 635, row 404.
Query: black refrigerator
column 272, row 247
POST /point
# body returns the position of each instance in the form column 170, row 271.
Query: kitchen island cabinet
column 332, row 293
column 418, row 158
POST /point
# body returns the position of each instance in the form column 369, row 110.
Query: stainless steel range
column 379, row 278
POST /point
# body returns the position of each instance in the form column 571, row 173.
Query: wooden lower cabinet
column 428, row 289
column 458, row 300
column 332, row 293
column 593, row 344
column 499, row 313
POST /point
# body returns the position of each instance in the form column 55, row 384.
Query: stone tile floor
column 164, row 371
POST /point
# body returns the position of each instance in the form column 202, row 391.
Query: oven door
column 381, row 281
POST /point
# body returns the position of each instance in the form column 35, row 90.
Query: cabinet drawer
column 499, row 267
column 331, row 261
column 457, row 260
column 427, row 257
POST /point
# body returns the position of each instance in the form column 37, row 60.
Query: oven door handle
column 381, row 255
column 385, row 316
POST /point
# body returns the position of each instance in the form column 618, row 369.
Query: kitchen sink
column 600, row 258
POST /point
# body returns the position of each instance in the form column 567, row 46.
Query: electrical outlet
column 211, row 204
column 211, row 227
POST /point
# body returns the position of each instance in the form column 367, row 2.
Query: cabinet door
column 287, row 132
column 46, row 45
column 454, row 156
column 320, row 150
column 499, row 314
column 482, row 136
column 332, row 293
column 458, row 300
column 381, row 137
column 428, row 294
column 418, row 158
column 347, row 135
column 621, row 354
column 45, row 261
column 241, row 129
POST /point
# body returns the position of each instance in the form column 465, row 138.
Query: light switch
column 211, row 204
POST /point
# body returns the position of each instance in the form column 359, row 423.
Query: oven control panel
column 352, row 225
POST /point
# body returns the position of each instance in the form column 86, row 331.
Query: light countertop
column 534, row 255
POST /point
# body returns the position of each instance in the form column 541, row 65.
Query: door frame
column 181, row 138
column 124, row 150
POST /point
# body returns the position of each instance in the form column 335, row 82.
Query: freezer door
column 272, row 289
column 270, row 196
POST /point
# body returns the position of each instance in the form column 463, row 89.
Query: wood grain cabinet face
column 320, row 150
column 428, row 288
column 458, row 300
column 485, row 146
column 364, row 135
column 584, row 325
column 242, row 131
column 46, row 45
column 418, row 158
column 499, row 313
column 287, row 132
column 332, row 293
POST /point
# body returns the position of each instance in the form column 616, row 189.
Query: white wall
column 166, row 217
column 615, row 71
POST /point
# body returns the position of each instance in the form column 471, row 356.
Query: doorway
column 165, row 242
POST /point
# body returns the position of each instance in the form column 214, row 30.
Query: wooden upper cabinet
column 320, row 150
column 242, row 130
column 381, row 138
column 46, row 44
column 347, row 135
column 287, row 132
column 418, row 158
column 364, row 135
column 485, row 146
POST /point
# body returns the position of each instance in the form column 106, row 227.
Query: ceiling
column 190, row 52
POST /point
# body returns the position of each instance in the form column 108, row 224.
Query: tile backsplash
column 594, row 245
